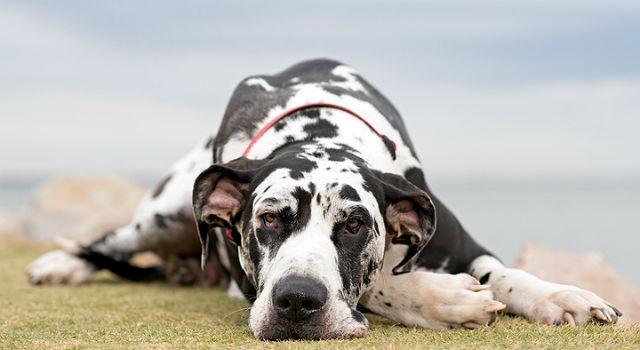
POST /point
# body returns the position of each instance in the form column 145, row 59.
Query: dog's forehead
column 327, row 181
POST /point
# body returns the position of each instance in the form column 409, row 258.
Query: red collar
column 391, row 146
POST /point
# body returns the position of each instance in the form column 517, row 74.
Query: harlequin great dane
column 313, row 199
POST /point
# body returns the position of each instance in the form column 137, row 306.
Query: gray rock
column 80, row 208
column 11, row 224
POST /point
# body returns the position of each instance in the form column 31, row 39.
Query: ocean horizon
column 579, row 216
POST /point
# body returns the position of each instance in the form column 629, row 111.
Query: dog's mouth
column 353, row 327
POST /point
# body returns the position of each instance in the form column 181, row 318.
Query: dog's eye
column 353, row 226
column 270, row 221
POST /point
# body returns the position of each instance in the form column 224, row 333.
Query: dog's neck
column 316, row 129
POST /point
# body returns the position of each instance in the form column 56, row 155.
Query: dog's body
column 314, row 210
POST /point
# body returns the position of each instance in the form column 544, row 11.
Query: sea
column 504, row 215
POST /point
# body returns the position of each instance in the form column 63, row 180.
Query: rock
column 80, row 208
column 11, row 224
column 585, row 270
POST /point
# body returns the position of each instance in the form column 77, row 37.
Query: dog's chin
column 353, row 327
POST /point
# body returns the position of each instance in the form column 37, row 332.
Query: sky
column 491, row 89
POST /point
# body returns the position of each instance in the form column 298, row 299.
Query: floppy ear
column 219, row 194
column 410, row 217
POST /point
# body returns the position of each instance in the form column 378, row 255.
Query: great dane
column 313, row 200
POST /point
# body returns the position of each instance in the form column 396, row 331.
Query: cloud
column 78, row 132
column 562, row 128
column 521, row 89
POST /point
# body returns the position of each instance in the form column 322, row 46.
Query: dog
column 312, row 199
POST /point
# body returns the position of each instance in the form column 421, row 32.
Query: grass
column 110, row 313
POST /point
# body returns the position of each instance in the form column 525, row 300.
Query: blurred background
column 525, row 114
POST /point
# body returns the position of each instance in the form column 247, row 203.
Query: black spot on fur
column 160, row 221
column 158, row 190
column 312, row 113
column 349, row 193
column 138, row 226
column 312, row 188
column 350, row 248
column 304, row 209
column 255, row 256
column 388, row 304
column 510, row 289
column 290, row 222
column 280, row 125
column 485, row 278
column 296, row 174
column 321, row 128
column 371, row 269
column 318, row 198
column 358, row 316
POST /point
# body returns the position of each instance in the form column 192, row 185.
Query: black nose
column 296, row 298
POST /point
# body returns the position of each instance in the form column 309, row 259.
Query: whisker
column 239, row 310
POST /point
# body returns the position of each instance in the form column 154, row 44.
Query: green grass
column 110, row 313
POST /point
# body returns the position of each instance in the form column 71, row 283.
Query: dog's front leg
column 163, row 223
column 539, row 300
column 432, row 300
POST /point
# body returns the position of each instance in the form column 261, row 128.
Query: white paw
column 59, row 267
column 464, row 303
column 573, row 306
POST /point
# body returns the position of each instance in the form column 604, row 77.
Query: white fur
column 432, row 300
column 62, row 267
column 311, row 252
column 59, row 267
column 539, row 300
column 374, row 151
column 259, row 82
column 349, row 74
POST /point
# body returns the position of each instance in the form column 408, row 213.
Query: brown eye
column 353, row 226
column 270, row 221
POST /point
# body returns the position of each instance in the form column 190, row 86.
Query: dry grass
column 114, row 314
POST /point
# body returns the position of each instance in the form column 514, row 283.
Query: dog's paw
column 573, row 306
column 462, row 302
column 59, row 267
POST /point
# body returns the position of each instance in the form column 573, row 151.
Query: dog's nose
column 296, row 298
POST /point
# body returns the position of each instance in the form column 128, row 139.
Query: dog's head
column 311, row 225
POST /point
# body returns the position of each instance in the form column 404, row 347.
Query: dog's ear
column 410, row 217
column 219, row 194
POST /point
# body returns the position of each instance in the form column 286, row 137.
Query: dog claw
column 600, row 315
column 569, row 319
column 494, row 306
column 479, row 287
